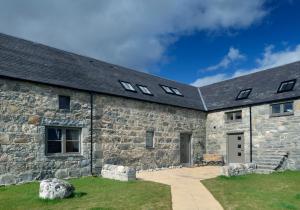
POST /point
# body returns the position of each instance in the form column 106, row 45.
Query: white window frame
column 150, row 146
column 127, row 86
column 145, row 89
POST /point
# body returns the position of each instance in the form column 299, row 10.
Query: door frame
column 190, row 162
column 227, row 144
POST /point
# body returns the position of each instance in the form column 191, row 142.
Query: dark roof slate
column 264, row 86
column 26, row 60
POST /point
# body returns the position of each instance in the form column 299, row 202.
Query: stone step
column 269, row 167
column 263, row 171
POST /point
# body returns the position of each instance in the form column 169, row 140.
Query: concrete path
column 188, row 193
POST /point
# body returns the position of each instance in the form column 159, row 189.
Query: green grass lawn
column 255, row 191
column 91, row 193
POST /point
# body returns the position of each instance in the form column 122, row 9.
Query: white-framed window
column 145, row 90
column 127, row 86
column 150, row 139
column 282, row 109
column 61, row 140
column 176, row 91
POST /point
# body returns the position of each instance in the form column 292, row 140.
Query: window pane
column 167, row 89
column 149, row 139
column 230, row 116
column 145, row 90
column 64, row 102
column 288, row 107
column 127, row 86
column 54, row 134
column 72, row 146
column 54, row 147
column 276, row 109
column 72, row 134
column 177, row 92
column 238, row 115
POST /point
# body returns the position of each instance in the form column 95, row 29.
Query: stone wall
column 122, row 125
column 217, row 129
column 119, row 134
column 25, row 110
column 273, row 137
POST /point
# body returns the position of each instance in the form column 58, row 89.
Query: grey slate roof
column 264, row 86
column 21, row 59
column 25, row 60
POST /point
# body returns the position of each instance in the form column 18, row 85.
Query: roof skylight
column 243, row 94
column 127, row 86
column 286, row 86
column 145, row 90
column 167, row 89
column 176, row 91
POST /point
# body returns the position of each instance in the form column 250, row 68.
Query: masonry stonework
column 121, row 125
column 273, row 137
column 119, row 132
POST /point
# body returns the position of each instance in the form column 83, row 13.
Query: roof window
column 167, row 89
column 286, row 86
column 243, row 94
column 144, row 90
column 176, row 91
column 127, row 86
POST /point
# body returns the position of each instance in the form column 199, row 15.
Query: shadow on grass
column 73, row 196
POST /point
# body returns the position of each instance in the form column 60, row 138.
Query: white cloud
column 269, row 59
column 233, row 55
column 209, row 80
column 134, row 33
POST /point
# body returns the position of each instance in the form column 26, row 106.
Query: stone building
column 65, row 115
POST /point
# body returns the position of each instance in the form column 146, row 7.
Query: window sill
column 281, row 115
column 150, row 148
column 233, row 121
column 64, row 155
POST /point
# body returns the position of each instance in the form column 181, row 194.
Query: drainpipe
column 92, row 105
column 250, row 110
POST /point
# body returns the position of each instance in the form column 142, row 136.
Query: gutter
column 92, row 107
column 251, row 135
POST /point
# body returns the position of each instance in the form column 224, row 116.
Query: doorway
column 236, row 148
column 185, row 149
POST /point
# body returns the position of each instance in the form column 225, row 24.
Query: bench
column 212, row 159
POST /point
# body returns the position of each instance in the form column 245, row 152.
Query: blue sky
column 279, row 30
column 196, row 42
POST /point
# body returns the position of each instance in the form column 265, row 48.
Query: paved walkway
column 188, row 193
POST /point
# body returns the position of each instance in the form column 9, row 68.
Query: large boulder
column 121, row 173
column 237, row 169
column 55, row 189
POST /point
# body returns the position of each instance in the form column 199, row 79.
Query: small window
column 64, row 102
column 239, row 138
column 286, row 86
column 176, row 91
column 145, row 90
column 282, row 109
column 244, row 94
column 62, row 140
column 239, row 146
column 127, row 86
column 167, row 89
column 239, row 154
column 149, row 139
column 234, row 116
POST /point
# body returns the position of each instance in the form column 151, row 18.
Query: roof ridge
column 253, row 73
column 95, row 59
